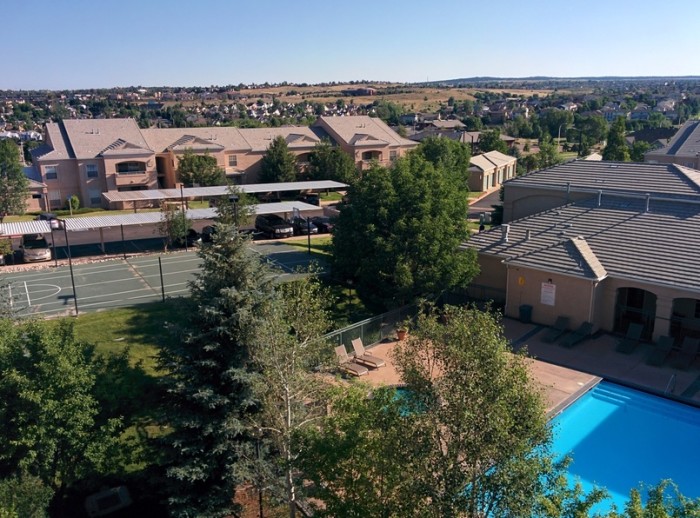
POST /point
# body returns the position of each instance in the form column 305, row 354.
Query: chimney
column 648, row 200
column 600, row 197
column 505, row 229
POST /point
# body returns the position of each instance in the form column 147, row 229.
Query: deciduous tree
column 400, row 233
column 48, row 411
column 490, row 140
column 199, row 169
column 14, row 185
column 328, row 162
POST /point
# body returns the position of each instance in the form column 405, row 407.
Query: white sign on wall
column 548, row 294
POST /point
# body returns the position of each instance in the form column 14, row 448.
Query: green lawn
column 320, row 246
column 141, row 328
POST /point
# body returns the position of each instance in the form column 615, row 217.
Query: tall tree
column 399, row 235
column 548, row 155
column 199, row 169
column 209, row 378
column 328, row 162
column 48, row 410
column 616, row 148
column 14, row 185
column 447, row 153
column 468, row 437
column 639, row 147
column 289, row 389
column 278, row 164
column 490, row 140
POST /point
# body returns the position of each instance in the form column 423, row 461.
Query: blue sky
column 73, row 44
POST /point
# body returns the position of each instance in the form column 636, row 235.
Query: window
column 393, row 155
column 91, row 170
column 232, row 160
column 95, row 196
column 55, row 199
column 131, row 168
column 51, row 172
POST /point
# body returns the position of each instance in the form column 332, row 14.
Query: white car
column 34, row 247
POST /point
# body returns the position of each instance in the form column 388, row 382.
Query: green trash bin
column 526, row 313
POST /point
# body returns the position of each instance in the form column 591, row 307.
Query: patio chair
column 347, row 365
column 579, row 335
column 688, row 352
column 362, row 356
column 560, row 327
column 660, row 352
column 629, row 343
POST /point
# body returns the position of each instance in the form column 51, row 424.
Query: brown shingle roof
column 363, row 130
column 89, row 137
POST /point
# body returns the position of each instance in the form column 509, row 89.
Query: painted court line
column 29, row 302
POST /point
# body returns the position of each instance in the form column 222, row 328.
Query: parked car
column 34, row 247
column 192, row 238
column 46, row 216
column 301, row 227
column 312, row 199
column 208, row 233
column 273, row 225
column 323, row 223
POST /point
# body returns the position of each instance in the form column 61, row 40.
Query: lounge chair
column 364, row 357
column 629, row 343
column 560, row 327
column 688, row 352
column 347, row 365
column 579, row 335
column 659, row 353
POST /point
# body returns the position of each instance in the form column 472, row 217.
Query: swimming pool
column 619, row 437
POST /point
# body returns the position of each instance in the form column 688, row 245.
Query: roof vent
column 528, row 234
column 600, row 198
column 505, row 229
column 648, row 200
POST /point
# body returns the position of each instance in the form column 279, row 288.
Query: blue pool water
column 620, row 437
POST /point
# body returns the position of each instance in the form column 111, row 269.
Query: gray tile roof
column 619, row 239
column 686, row 141
column 622, row 177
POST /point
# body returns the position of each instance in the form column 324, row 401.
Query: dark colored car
column 311, row 199
column 208, row 233
column 323, row 223
column 192, row 239
column 46, row 216
column 273, row 226
column 301, row 227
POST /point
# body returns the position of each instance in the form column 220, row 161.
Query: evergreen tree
column 490, row 140
column 278, row 164
column 14, row 185
column 209, row 378
column 616, row 148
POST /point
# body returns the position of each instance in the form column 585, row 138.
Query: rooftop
column 618, row 237
column 686, row 142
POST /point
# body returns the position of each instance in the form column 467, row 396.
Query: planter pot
column 401, row 334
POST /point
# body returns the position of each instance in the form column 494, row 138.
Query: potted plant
column 401, row 333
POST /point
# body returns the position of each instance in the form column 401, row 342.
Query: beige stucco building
column 489, row 170
column 600, row 242
column 90, row 156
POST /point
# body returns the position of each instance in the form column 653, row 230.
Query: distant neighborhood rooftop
column 686, row 142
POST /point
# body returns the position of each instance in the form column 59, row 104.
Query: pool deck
column 565, row 374
column 560, row 385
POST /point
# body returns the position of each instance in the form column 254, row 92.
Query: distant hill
column 551, row 79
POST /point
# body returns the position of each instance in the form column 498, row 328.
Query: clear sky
column 74, row 44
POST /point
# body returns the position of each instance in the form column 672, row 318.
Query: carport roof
column 141, row 218
column 220, row 190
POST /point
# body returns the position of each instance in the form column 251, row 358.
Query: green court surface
column 119, row 282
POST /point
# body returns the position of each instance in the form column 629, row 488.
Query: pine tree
column 616, row 148
column 209, row 376
column 278, row 164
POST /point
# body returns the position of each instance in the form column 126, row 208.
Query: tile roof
column 486, row 161
column 622, row 177
column 685, row 142
column 619, row 238
column 297, row 137
column 363, row 130
column 162, row 139
column 88, row 138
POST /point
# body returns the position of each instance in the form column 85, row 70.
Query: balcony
column 134, row 178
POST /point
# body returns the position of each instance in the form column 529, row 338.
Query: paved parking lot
column 112, row 283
